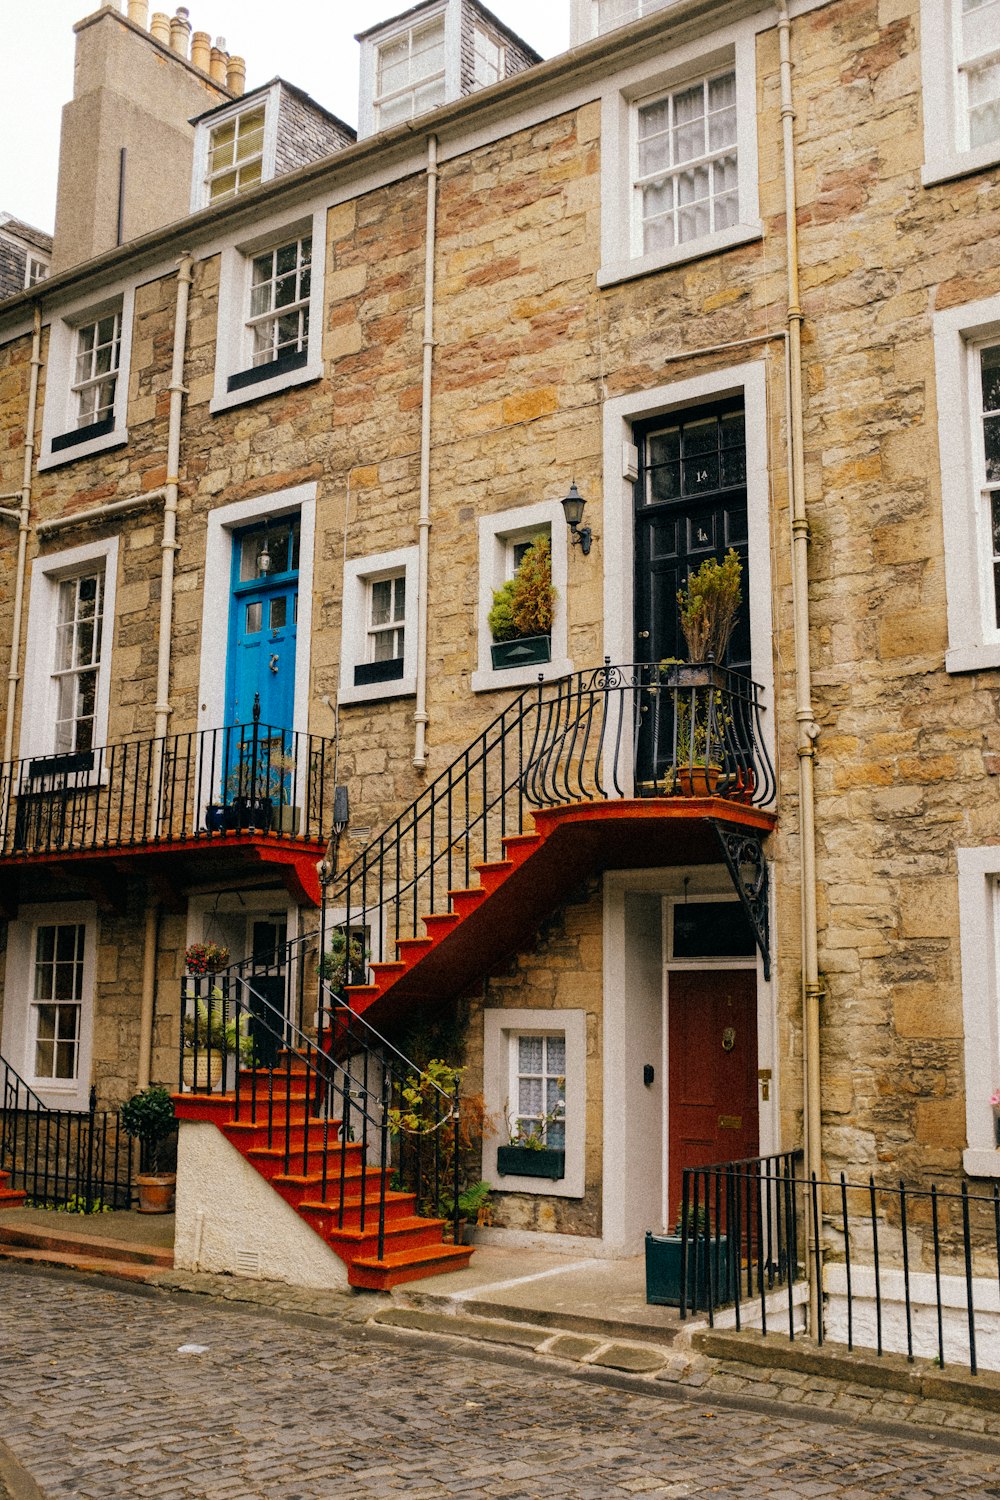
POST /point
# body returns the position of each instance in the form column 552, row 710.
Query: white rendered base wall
column 954, row 1314
column 230, row 1221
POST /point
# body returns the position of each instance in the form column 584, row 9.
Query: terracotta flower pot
column 698, row 781
column 156, row 1189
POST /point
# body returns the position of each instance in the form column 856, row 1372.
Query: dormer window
column 410, row 74
column 489, row 61
column 36, row 270
column 594, row 17
column 235, row 155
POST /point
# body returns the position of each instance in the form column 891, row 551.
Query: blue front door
column 262, row 625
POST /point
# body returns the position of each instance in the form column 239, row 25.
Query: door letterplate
column 730, row 1122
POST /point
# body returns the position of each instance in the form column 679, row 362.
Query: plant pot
column 685, row 675
column 215, row 818
column 524, row 652
column 247, row 812
column 522, row 1161
column 202, row 1074
column 663, row 1270
column 156, row 1189
column 289, row 819
column 698, row 781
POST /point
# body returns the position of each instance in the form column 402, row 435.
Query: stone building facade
column 579, row 325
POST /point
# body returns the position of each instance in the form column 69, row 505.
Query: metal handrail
column 204, row 784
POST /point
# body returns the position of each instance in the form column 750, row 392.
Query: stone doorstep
column 889, row 1372
column 613, row 1328
column 609, row 1354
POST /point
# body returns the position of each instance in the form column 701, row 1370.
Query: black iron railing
column 689, row 730
column 244, row 778
column 62, row 1156
column 349, row 1111
column 910, row 1270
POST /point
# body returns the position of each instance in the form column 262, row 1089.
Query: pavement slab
column 96, row 1403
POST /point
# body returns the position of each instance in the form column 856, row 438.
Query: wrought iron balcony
column 206, row 786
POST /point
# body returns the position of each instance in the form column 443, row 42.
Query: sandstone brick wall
column 527, row 351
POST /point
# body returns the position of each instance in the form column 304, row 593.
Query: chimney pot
column 236, row 75
column 217, row 67
column 159, row 27
column 201, row 50
column 180, row 32
column 138, row 11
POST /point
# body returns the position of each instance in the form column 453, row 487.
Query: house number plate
column 730, row 1122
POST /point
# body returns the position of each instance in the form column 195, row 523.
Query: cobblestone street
column 97, row 1403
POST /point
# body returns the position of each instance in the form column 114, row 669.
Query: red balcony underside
column 577, row 841
column 169, row 869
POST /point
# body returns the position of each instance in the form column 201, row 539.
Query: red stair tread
column 372, row 1274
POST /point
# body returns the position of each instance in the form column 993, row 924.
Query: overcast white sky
column 309, row 42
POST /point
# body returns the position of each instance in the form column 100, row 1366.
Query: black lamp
column 572, row 505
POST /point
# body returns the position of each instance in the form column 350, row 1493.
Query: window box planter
column 522, row 1161
column 663, row 1270
column 524, row 652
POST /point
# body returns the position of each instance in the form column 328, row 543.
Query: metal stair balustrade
column 58, row 1156
column 244, row 778
column 615, row 732
column 325, row 1124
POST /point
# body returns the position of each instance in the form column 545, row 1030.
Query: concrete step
column 62, row 1241
column 639, row 1358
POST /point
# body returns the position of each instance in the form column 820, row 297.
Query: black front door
column 690, row 504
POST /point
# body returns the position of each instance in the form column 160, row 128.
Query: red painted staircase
column 488, row 921
column 9, row 1197
column 270, row 1122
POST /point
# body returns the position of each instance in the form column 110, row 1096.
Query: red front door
column 712, row 1049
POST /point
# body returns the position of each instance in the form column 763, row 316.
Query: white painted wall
column 243, row 1220
column 955, row 1315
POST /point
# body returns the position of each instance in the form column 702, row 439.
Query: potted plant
column 423, row 1123
column 707, row 1264
column 521, row 618
column 528, row 1152
column 148, row 1117
column 344, row 962
column 995, row 1106
column 211, row 1037
column 708, row 605
column 205, row 958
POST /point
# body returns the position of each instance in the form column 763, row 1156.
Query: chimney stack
column 138, row 12
column 159, row 27
column 218, row 63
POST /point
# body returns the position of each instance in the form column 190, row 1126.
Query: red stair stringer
column 413, row 1246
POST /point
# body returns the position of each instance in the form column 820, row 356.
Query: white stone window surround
column 17, row 1042
column 222, row 522
column 947, row 153
column 359, row 572
column 496, row 534
column 979, row 934
column 660, row 74
column 751, row 381
column 37, row 268
column 38, row 714
column 500, row 1031
column 59, row 417
column 271, row 101
column 623, row 1220
column 233, row 349
column 973, row 634
column 452, row 12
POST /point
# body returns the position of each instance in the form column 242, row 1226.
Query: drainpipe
column 169, row 543
column 99, row 512
column 807, row 728
column 424, row 524
column 148, row 998
column 23, row 517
